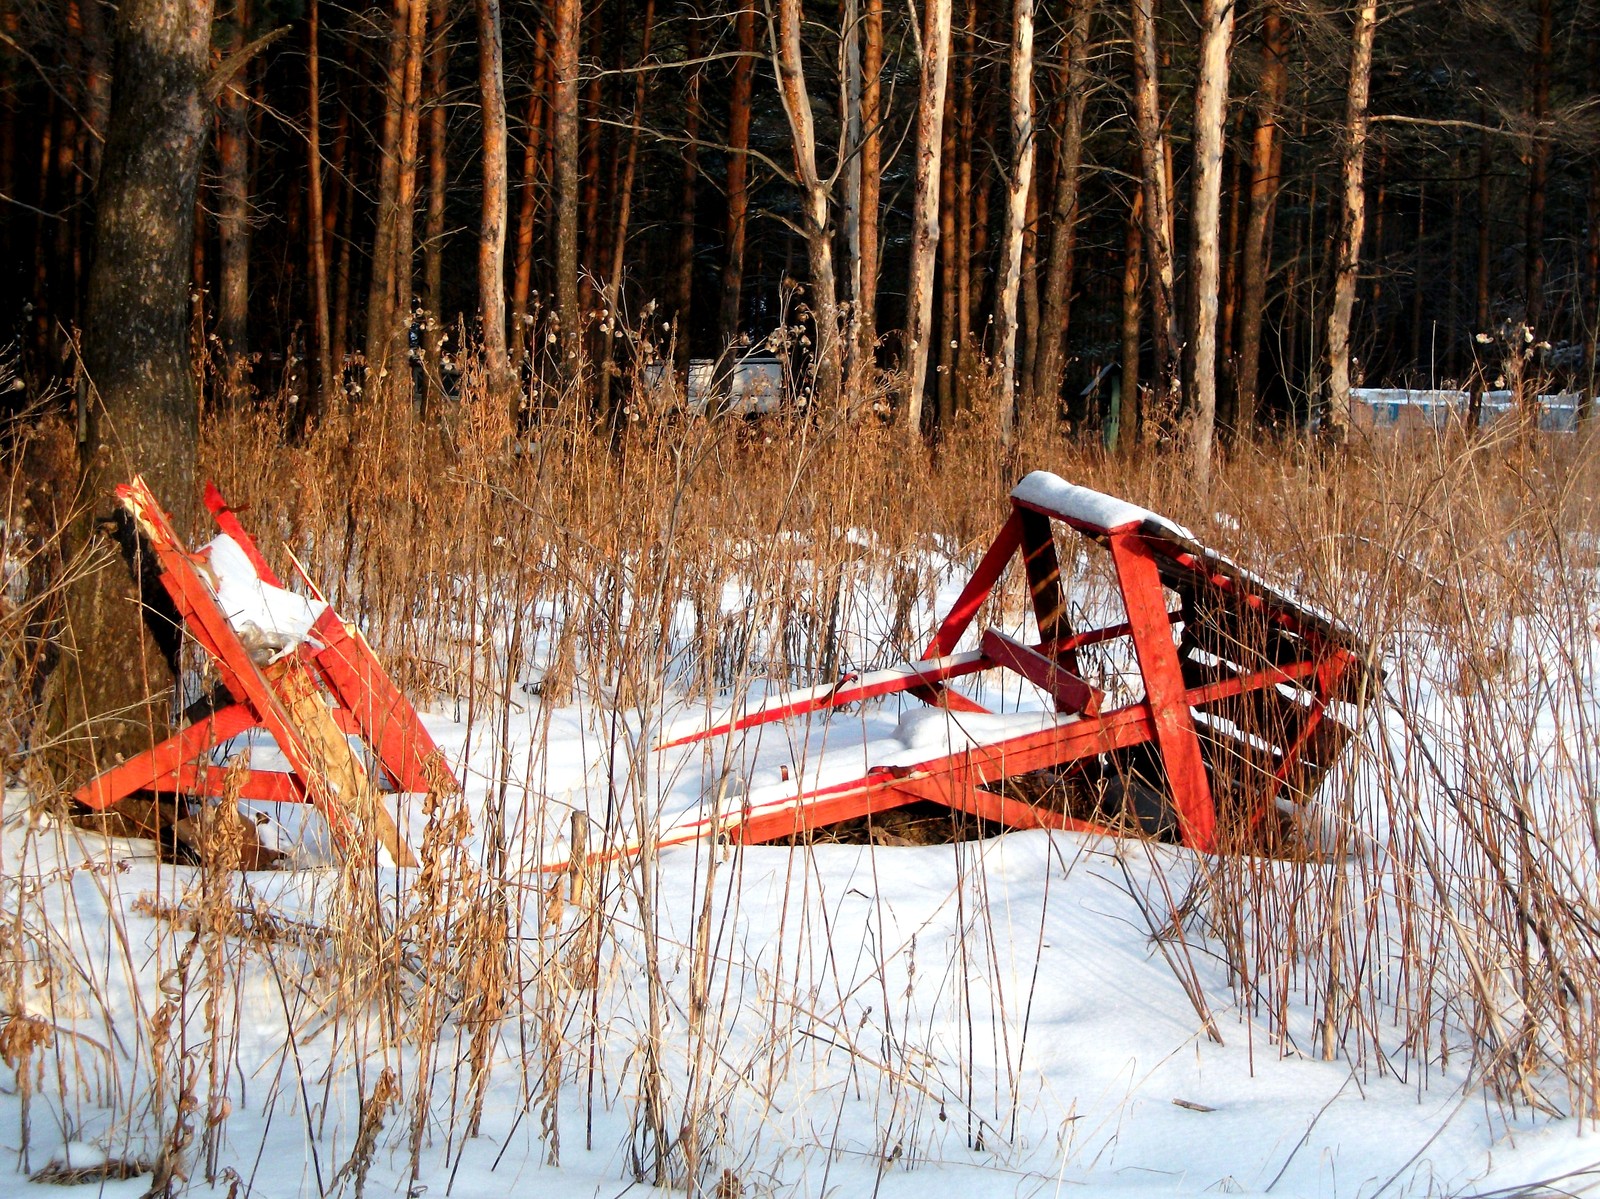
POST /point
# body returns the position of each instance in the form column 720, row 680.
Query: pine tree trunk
column 528, row 200
column 1264, row 183
column 492, row 226
column 619, row 240
column 406, row 196
column 112, row 688
column 1353, row 213
column 233, row 216
column 1048, row 368
column 850, row 169
column 315, row 219
column 1156, row 169
column 871, row 183
column 438, row 75
column 381, row 314
column 739, row 96
column 1130, row 420
column 683, row 256
column 1538, row 168
column 815, row 204
column 953, row 238
column 1018, row 185
column 1205, row 232
column 925, row 203
column 567, row 31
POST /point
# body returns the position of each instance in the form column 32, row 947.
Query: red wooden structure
column 310, row 700
column 1238, row 681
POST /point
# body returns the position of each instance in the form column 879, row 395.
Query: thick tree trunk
column 1018, row 185
column 953, row 239
column 406, row 195
column 1064, row 206
column 315, row 218
column 1353, row 214
column 815, row 203
column 1155, row 162
column 925, row 203
column 1205, row 232
column 850, row 169
column 143, row 416
column 1257, row 266
column 492, row 225
column 739, row 96
column 567, row 31
column 233, row 216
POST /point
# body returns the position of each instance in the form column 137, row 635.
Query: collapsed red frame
column 335, row 658
column 1313, row 655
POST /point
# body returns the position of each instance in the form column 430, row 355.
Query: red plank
column 1165, row 694
column 228, row 521
column 140, row 773
column 990, row 567
column 1071, row 694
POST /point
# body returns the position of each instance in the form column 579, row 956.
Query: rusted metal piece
column 1239, row 679
column 329, row 687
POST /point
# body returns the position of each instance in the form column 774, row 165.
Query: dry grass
column 1447, row 915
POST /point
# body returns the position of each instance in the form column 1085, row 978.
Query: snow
column 1085, row 506
column 266, row 617
column 995, row 1018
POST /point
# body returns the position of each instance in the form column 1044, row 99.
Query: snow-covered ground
column 1023, row 1015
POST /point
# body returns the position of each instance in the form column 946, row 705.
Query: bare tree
column 492, row 227
column 1155, row 161
column 1205, row 217
column 564, row 69
column 233, row 214
column 1266, row 158
column 739, row 96
column 315, row 216
column 925, row 202
column 1351, row 223
column 1018, row 186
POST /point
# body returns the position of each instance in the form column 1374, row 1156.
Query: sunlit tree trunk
column 1130, row 418
column 1265, row 157
column 815, row 201
column 925, row 202
column 1018, row 185
column 110, row 695
column 568, row 19
column 683, row 257
column 1156, row 172
column 528, row 199
column 492, row 226
column 381, row 286
column 1352, row 218
column 406, row 190
column 871, row 183
column 1205, row 231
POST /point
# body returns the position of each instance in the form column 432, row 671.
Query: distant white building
column 1408, row 408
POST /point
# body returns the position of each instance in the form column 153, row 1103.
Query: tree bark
column 815, row 202
column 1130, row 419
column 567, row 31
column 492, row 226
column 683, row 256
column 1048, row 367
column 1156, row 172
column 1205, row 232
column 871, row 182
column 143, row 418
column 619, row 240
column 233, row 216
column 1353, row 214
column 954, row 233
column 381, row 286
column 528, row 199
column 315, row 218
column 739, row 96
column 1538, row 169
column 925, row 202
column 416, row 30
column 1018, row 186
column 1264, row 183
column 438, row 75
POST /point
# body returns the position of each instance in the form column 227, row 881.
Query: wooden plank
column 1165, row 693
column 142, row 772
column 978, row 587
column 1043, row 568
column 1070, row 693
